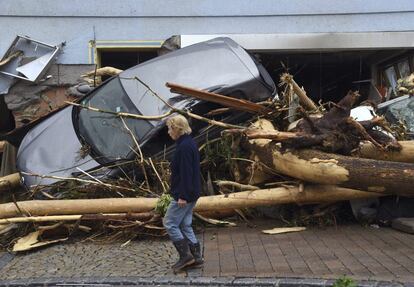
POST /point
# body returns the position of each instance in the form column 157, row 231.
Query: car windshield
column 401, row 110
column 105, row 133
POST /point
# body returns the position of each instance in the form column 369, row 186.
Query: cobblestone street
column 84, row 259
column 234, row 257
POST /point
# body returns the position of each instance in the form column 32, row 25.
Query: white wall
column 76, row 22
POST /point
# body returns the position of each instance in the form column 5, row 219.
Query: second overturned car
column 78, row 140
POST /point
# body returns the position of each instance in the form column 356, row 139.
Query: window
column 393, row 70
column 122, row 54
column 125, row 59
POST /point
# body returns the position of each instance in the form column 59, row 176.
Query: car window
column 106, row 133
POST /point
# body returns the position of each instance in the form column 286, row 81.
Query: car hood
column 52, row 148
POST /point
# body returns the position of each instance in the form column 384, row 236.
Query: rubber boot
column 195, row 250
column 186, row 259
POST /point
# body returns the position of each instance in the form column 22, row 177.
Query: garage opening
column 328, row 76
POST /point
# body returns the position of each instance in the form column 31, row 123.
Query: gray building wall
column 77, row 22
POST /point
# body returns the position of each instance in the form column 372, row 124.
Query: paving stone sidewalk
column 239, row 256
column 363, row 253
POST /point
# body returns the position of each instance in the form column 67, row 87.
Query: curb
column 188, row 281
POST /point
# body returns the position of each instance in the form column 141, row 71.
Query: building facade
column 324, row 40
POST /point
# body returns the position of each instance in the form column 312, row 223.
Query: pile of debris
column 289, row 150
column 324, row 157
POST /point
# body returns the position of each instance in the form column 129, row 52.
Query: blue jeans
column 177, row 221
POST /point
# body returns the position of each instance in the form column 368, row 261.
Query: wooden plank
column 237, row 104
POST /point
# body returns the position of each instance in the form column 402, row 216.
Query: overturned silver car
column 78, row 140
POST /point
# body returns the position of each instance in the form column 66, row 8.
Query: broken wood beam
column 10, row 182
column 225, row 183
column 104, row 71
column 237, row 104
column 303, row 98
column 326, row 168
column 252, row 198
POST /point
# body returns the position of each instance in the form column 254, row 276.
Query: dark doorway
column 125, row 59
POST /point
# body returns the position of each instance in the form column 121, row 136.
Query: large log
column 366, row 149
column 281, row 195
column 333, row 169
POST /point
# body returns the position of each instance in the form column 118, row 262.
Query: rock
column 84, row 89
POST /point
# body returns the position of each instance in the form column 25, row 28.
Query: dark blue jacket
column 185, row 170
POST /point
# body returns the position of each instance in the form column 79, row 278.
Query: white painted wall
column 76, row 22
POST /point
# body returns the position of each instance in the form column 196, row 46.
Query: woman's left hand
column 182, row 202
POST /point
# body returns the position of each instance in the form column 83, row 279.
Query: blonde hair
column 180, row 124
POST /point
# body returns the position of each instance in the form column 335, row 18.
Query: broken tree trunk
column 280, row 195
column 325, row 168
column 406, row 154
column 10, row 182
column 366, row 150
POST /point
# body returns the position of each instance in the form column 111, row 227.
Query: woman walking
column 185, row 190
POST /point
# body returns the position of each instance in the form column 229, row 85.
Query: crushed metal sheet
column 33, row 60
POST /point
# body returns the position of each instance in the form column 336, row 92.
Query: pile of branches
column 289, row 151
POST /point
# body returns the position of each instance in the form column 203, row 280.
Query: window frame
column 382, row 77
column 96, row 47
